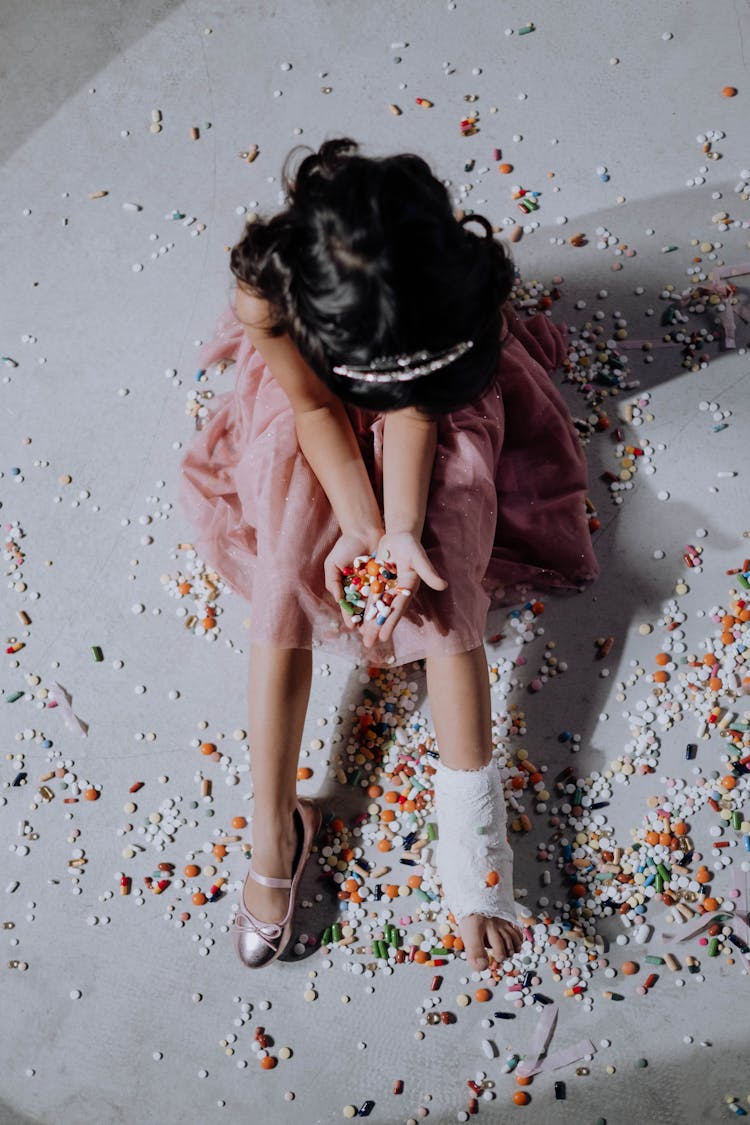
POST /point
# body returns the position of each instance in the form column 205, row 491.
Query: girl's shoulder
column 281, row 355
column 253, row 312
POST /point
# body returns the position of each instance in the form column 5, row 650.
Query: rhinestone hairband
column 402, row 368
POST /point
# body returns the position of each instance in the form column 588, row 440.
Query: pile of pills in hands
column 367, row 577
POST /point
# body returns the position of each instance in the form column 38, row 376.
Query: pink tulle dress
column 505, row 513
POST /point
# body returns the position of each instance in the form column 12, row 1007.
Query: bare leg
column 278, row 694
column 458, row 687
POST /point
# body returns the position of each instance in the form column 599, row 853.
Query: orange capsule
column 492, row 878
column 482, row 995
column 199, row 899
column 505, row 169
column 91, row 794
column 191, row 871
column 729, row 92
column 207, row 748
column 238, row 822
column 384, row 845
column 304, row 773
column 268, row 1062
column 521, row 1097
column 703, row 875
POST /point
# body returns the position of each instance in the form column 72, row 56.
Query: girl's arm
column 409, row 442
column 323, row 428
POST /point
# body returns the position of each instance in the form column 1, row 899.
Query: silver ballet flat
column 258, row 943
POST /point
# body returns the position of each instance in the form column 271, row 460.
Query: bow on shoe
column 269, row 932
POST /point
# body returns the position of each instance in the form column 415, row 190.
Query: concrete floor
column 124, row 1012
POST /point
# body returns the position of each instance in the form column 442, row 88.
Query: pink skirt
column 505, row 514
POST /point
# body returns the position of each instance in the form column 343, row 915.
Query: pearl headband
column 402, row 368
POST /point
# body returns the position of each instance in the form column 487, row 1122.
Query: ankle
column 274, row 815
column 272, row 830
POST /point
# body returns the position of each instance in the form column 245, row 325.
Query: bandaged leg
column 473, row 857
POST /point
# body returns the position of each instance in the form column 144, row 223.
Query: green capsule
column 14, row 695
column 336, row 931
column 97, row 654
column 658, row 883
column 431, row 830
column 347, row 606
column 652, row 959
column 439, row 952
column 713, row 947
column 665, row 873
column 737, row 820
column 422, row 894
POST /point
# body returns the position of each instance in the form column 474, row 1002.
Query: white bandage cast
column 472, row 849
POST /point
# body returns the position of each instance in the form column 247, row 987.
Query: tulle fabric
column 505, row 513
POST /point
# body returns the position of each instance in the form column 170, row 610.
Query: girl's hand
column 412, row 565
column 344, row 551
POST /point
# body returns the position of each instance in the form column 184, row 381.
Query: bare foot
column 480, row 933
column 274, row 849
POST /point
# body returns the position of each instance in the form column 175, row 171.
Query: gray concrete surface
column 626, row 86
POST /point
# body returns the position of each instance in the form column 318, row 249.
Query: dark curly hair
column 368, row 260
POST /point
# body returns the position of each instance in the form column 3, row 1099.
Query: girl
column 387, row 402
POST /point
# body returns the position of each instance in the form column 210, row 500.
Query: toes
column 472, row 932
column 504, row 939
column 497, row 944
